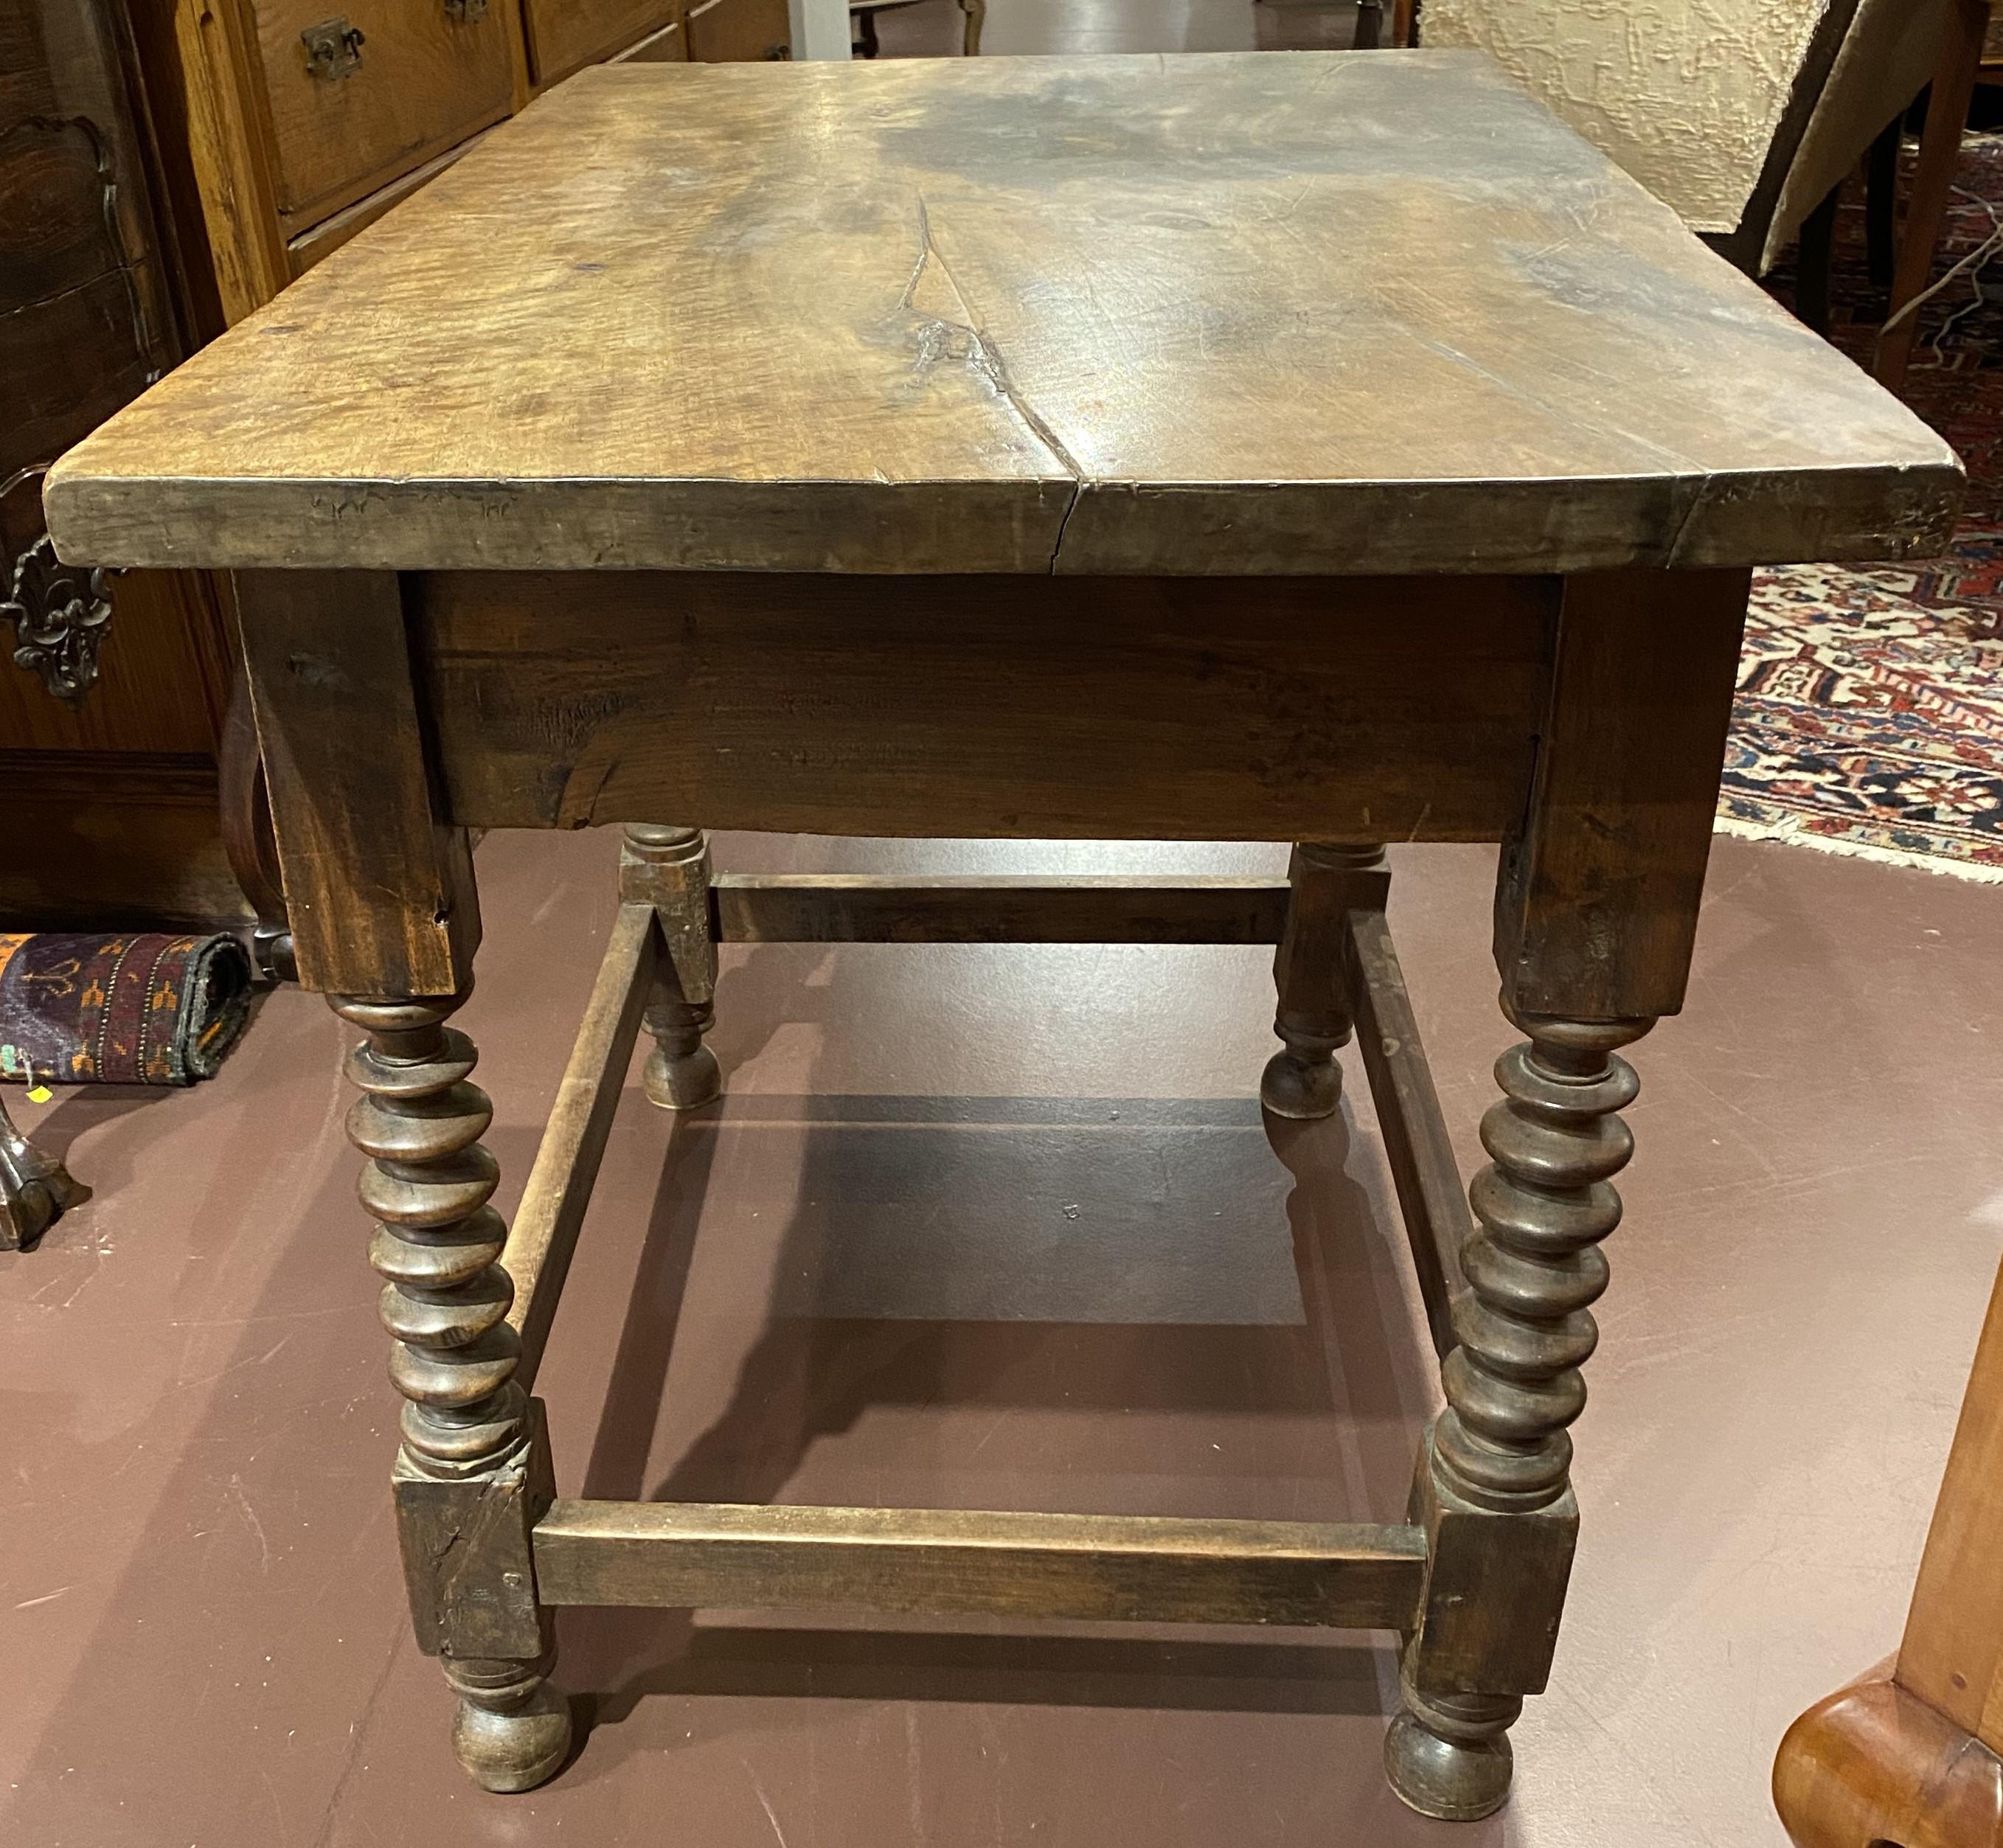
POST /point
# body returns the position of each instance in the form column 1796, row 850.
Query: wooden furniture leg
column 1596, row 903
column 1940, row 150
column 976, row 16
column 1912, row 1754
column 1303, row 1080
column 668, row 868
column 1881, row 203
column 386, row 919
column 470, row 1478
column 1513, row 1384
column 35, row 1189
column 1812, row 263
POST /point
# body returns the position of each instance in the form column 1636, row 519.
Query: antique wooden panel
column 1179, row 709
column 564, row 35
column 720, row 31
column 981, row 341
column 98, row 840
column 359, row 90
column 107, row 727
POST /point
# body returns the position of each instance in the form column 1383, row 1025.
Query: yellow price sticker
column 40, row 1094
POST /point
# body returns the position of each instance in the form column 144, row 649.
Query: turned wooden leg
column 1303, row 1080
column 472, row 1473
column 1493, row 1489
column 669, row 868
column 1933, row 181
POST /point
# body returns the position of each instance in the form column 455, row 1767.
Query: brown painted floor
column 1002, row 1227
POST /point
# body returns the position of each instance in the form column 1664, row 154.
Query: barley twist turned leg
column 1495, row 1488
column 1303, row 1080
column 669, row 868
column 466, row 1479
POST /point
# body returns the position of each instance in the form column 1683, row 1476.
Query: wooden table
column 1322, row 448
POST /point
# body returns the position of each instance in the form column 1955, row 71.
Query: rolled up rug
column 119, row 1008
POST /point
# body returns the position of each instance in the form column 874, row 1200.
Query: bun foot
column 685, row 1082
column 1455, row 1764
column 511, row 1733
column 1302, row 1086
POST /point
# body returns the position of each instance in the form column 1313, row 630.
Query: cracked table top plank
column 1240, row 313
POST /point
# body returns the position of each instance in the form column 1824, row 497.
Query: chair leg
column 1812, row 264
column 1369, row 25
column 1940, row 150
column 1881, row 204
column 976, row 16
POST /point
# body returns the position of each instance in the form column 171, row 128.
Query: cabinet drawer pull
column 464, row 13
column 333, row 49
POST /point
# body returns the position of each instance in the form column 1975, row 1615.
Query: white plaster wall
column 1684, row 94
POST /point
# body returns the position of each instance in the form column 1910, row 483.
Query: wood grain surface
column 1232, row 313
column 1121, row 1568
column 1174, row 709
column 428, row 78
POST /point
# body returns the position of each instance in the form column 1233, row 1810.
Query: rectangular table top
column 1252, row 312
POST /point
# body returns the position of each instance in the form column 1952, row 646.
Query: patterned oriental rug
column 120, row 1008
column 1869, row 720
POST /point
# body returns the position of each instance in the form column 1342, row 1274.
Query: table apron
column 1271, row 709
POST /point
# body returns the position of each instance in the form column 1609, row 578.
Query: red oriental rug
column 1869, row 720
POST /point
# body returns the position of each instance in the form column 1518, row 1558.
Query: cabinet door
column 108, row 782
column 360, row 95
column 726, row 31
column 565, row 35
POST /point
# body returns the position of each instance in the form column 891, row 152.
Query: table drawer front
column 1246, row 709
column 564, row 35
column 733, row 31
column 360, row 95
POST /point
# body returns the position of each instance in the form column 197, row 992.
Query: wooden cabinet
column 112, row 693
column 292, row 126
column 355, row 98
